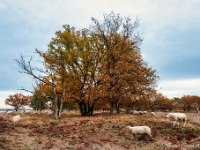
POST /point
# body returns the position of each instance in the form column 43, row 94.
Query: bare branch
column 23, row 89
column 27, row 69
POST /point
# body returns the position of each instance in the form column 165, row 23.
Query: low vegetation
column 102, row 131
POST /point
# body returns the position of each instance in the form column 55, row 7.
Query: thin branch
column 23, row 89
column 27, row 69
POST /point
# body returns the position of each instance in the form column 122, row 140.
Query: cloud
column 170, row 30
column 178, row 88
column 153, row 13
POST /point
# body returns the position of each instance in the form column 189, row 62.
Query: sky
column 170, row 29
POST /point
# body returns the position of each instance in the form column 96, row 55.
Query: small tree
column 164, row 103
column 186, row 102
column 190, row 102
column 196, row 104
column 17, row 100
column 70, row 106
column 36, row 103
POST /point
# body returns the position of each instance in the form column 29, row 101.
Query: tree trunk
column 56, row 113
column 127, row 110
column 16, row 109
column 153, row 108
column 198, row 110
column 56, row 107
column 63, row 98
column 86, row 109
column 112, row 106
column 117, row 107
column 80, row 104
column 60, row 109
column 91, row 109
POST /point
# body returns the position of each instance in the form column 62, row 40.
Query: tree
column 164, row 103
column 196, row 104
column 70, row 68
column 75, row 56
column 70, row 106
column 48, row 78
column 153, row 98
column 85, row 66
column 125, row 73
column 17, row 100
column 36, row 103
column 188, row 102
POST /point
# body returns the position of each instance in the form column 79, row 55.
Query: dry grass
column 102, row 131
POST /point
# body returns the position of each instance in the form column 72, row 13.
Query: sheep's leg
column 184, row 123
column 151, row 136
column 174, row 122
column 134, row 137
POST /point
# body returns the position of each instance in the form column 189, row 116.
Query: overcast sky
column 171, row 32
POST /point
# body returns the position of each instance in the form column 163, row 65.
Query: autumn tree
column 153, row 98
column 196, row 104
column 17, row 100
column 187, row 101
column 76, row 56
column 46, row 76
column 89, row 66
column 71, row 70
column 42, row 96
column 125, row 72
column 164, row 103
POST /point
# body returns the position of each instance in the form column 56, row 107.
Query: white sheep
column 34, row 112
column 176, row 117
column 47, row 111
column 9, row 112
column 140, row 112
column 135, row 130
column 16, row 118
column 122, row 110
column 144, row 112
column 153, row 113
column 135, row 112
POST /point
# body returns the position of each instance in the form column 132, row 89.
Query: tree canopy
column 17, row 100
column 90, row 66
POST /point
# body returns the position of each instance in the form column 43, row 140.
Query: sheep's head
column 127, row 129
column 169, row 115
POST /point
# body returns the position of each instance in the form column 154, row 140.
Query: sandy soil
column 99, row 132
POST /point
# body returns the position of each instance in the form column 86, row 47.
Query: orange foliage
column 17, row 100
column 187, row 102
